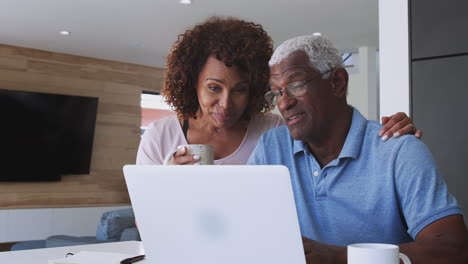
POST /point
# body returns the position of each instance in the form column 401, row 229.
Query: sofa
column 117, row 225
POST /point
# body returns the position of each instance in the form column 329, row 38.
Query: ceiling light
column 317, row 34
column 185, row 2
column 64, row 32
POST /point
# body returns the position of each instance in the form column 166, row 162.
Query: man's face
column 306, row 116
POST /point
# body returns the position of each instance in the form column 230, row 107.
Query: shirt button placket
column 319, row 191
column 317, row 183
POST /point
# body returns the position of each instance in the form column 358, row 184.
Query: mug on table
column 373, row 253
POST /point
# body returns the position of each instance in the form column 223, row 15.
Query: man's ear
column 339, row 81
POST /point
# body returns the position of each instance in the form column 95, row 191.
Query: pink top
column 163, row 136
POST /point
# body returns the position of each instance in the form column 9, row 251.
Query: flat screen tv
column 44, row 136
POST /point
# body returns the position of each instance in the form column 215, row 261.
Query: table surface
column 43, row 255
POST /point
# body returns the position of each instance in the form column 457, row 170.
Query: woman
column 216, row 77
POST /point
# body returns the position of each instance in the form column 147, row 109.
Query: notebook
column 215, row 214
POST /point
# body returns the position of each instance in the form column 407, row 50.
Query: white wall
column 394, row 57
column 31, row 224
column 363, row 86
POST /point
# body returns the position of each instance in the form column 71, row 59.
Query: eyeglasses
column 293, row 90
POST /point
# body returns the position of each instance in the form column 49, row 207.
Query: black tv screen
column 44, row 136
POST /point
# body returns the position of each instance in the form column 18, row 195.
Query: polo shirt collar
column 355, row 137
column 299, row 146
column 353, row 142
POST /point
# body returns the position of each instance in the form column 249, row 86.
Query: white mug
column 206, row 153
column 373, row 253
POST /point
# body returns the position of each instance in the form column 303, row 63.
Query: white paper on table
column 93, row 257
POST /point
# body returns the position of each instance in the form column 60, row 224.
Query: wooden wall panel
column 117, row 134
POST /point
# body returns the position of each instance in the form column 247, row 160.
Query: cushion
column 130, row 234
column 113, row 223
column 66, row 241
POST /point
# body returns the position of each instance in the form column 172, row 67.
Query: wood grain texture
column 117, row 134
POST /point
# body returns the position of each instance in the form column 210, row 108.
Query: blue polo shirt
column 375, row 191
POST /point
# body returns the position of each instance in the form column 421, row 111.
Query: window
column 153, row 108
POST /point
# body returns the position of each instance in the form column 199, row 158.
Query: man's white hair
column 323, row 55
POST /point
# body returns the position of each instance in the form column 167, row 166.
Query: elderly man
column 349, row 185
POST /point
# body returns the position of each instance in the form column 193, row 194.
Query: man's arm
column 319, row 253
column 432, row 214
column 443, row 241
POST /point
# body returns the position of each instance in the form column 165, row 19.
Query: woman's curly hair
column 235, row 42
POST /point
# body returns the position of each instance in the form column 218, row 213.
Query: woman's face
column 223, row 93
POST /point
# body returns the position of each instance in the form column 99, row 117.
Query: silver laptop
column 215, row 214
